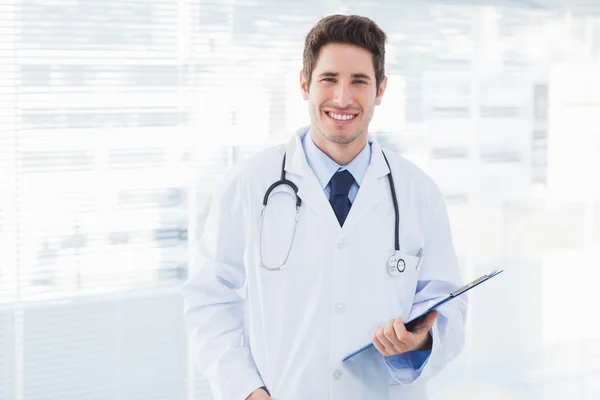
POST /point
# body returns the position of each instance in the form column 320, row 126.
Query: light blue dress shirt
column 324, row 168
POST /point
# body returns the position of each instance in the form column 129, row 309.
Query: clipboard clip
column 474, row 283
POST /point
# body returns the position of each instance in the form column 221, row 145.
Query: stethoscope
column 395, row 264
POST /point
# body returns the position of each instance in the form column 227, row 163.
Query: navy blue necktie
column 340, row 186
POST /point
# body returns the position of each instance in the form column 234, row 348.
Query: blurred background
column 119, row 117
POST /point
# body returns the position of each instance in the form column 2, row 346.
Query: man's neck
column 342, row 154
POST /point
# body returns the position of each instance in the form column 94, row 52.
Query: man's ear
column 303, row 86
column 381, row 90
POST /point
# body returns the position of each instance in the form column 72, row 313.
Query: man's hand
column 259, row 394
column 394, row 338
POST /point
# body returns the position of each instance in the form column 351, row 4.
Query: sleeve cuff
column 408, row 367
column 413, row 360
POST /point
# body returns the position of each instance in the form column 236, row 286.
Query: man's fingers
column 386, row 335
column 402, row 334
column 381, row 343
column 425, row 323
column 386, row 339
column 432, row 315
column 259, row 394
column 389, row 331
column 429, row 320
column 394, row 338
column 380, row 348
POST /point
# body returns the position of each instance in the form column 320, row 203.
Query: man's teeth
column 341, row 117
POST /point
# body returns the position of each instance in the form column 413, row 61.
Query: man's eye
column 361, row 81
column 329, row 79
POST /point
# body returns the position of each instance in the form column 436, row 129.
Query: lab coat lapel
column 309, row 188
column 374, row 188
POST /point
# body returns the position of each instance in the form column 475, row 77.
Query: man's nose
column 343, row 96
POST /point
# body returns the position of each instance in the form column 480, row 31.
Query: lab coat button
column 341, row 244
column 340, row 308
column 337, row 375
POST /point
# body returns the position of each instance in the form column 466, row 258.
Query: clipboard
column 438, row 304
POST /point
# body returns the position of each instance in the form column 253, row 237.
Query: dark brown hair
column 345, row 29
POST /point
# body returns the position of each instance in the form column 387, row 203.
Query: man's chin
column 338, row 138
column 342, row 136
column 339, row 135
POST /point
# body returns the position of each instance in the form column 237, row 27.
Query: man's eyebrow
column 328, row 74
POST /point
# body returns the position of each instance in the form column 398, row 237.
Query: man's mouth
column 341, row 117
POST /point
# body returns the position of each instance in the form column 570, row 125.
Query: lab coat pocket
column 405, row 284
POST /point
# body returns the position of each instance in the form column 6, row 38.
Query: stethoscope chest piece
column 395, row 265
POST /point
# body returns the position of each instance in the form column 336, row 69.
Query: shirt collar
column 324, row 167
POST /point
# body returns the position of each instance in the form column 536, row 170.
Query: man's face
column 342, row 94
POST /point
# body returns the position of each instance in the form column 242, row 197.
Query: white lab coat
column 289, row 330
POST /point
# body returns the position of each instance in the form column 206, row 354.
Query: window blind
column 94, row 192
column 94, row 146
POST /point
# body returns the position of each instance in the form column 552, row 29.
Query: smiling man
column 293, row 270
column 343, row 83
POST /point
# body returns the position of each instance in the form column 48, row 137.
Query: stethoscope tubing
column 292, row 185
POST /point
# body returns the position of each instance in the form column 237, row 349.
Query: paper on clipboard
column 434, row 304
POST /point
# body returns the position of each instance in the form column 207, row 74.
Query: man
column 283, row 292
